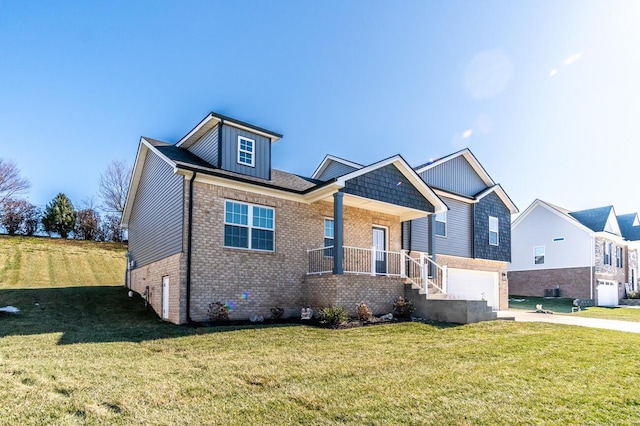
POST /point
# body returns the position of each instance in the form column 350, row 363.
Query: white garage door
column 474, row 285
column 607, row 293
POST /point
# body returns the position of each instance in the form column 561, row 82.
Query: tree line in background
column 60, row 217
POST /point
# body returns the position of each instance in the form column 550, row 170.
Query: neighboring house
column 583, row 253
column 630, row 229
column 210, row 220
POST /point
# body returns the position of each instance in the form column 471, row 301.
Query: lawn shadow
column 93, row 314
column 100, row 314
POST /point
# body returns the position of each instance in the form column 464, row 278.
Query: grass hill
column 33, row 262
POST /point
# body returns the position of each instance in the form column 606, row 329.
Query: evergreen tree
column 59, row 216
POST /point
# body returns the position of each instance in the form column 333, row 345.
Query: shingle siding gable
column 389, row 185
column 492, row 205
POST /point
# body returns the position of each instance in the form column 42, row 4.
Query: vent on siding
column 557, row 239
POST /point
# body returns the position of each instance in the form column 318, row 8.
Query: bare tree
column 10, row 181
column 114, row 183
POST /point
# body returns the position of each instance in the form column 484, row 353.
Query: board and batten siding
column 156, row 223
column 335, row 169
column 455, row 175
column 539, row 228
column 459, row 238
column 229, row 153
column 207, row 147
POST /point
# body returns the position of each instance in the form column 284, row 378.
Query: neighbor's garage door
column 607, row 293
column 474, row 285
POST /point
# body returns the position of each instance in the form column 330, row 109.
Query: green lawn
column 563, row 306
column 91, row 355
column 46, row 262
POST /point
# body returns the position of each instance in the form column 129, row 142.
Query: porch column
column 432, row 243
column 338, row 240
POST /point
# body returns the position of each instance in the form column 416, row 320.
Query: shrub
column 277, row 312
column 218, row 311
column 333, row 316
column 403, row 308
column 363, row 312
column 633, row 295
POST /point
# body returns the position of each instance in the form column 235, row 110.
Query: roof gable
column 333, row 167
column 459, row 173
column 629, row 226
column 403, row 170
column 560, row 212
column 211, row 120
column 600, row 219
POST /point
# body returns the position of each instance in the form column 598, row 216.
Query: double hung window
column 248, row 226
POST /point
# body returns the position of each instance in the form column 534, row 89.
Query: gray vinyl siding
column 455, row 175
column 335, row 169
column 229, row 153
column 459, row 238
column 420, row 234
column 207, row 147
column 156, row 223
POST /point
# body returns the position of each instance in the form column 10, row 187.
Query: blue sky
column 545, row 93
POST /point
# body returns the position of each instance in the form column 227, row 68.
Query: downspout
column 189, row 245
column 593, row 247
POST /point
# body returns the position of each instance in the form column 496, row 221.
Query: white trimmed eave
column 609, row 236
column 330, row 158
column 209, row 122
column 513, row 209
column 404, row 213
column 539, row 203
column 143, row 150
column 324, row 193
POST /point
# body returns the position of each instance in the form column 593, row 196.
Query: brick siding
column 253, row 282
column 347, row 291
column 573, row 282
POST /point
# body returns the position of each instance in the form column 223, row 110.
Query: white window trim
column 497, row 231
column 544, row 255
column 252, row 153
column 442, row 221
column 326, row 252
column 250, row 226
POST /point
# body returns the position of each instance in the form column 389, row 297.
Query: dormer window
column 246, row 149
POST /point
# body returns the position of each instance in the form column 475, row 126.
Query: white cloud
column 571, row 59
column 553, row 72
column 467, row 133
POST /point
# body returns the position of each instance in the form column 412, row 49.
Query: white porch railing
column 357, row 260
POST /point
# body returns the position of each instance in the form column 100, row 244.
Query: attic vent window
column 246, row 148
column 556, row 239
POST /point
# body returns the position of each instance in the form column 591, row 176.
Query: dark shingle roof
column 594, row 219
column 186, row 159
column 629, row 232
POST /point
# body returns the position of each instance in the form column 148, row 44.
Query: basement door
column 165, row 297
column 466, row 284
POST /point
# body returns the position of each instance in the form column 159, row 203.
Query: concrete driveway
column 531, row 316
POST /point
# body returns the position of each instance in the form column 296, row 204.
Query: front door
column 380, row 244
